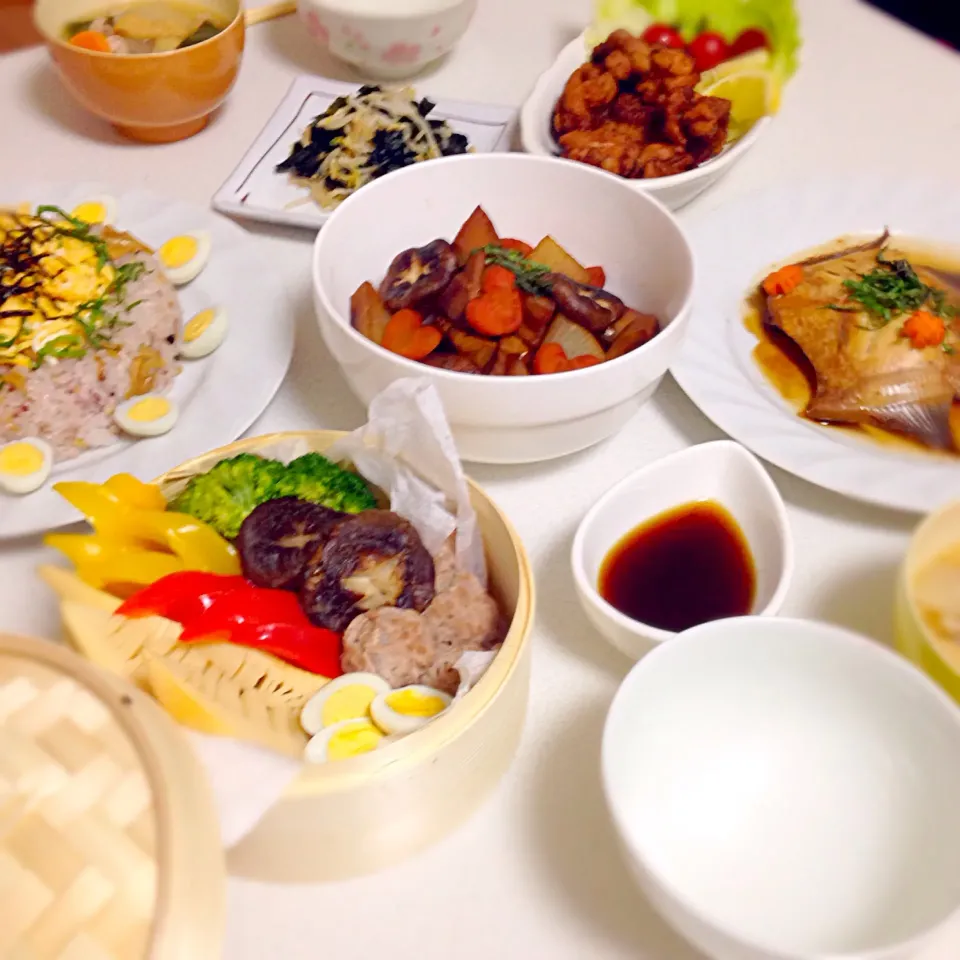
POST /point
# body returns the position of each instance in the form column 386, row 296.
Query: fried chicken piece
column 675, row 106
column 706, row 122
column 615, row 147
column 664, row 159
column 636, row 50
column 589, row 90
column 618, row 65
column 629, row 108
column 668, row 62
column 670, row 71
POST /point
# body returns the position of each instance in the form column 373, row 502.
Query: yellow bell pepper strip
column 102, row 563
column 131, row 531
column 104, row 510
column 136, row 493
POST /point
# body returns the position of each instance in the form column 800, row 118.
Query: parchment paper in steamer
column 406, row 448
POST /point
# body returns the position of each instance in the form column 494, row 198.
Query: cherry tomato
column 663, row 35
column 708, row 49
column 752, row 39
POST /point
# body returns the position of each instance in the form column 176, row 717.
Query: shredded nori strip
column 389, row 150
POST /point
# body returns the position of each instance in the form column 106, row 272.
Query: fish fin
column 846, row 251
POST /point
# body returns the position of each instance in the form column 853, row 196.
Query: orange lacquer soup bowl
column 153, row 97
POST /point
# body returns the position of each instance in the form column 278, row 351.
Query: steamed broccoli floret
column 313, row 477
column 224, row 496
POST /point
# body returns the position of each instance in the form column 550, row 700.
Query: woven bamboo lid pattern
column 88, row 848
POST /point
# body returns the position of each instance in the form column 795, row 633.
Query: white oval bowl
column 722, row 471
column 788, row 790
column 396, row 42
column 643, row 249
column 674, row 191
column 356, row 816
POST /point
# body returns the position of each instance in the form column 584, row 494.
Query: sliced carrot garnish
column 406, row 335
column 91, row 40
column 784, row 280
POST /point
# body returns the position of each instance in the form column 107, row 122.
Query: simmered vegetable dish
column 488, row 305
column 151, row 26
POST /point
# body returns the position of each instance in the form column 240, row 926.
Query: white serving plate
column 674, row 191
column 257, row 192
column 717, row 371
column 219, row 396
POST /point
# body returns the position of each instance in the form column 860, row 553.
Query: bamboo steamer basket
column 109, row 841
column 359, row 815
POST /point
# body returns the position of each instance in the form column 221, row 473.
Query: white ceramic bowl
column 388, row 39
column 675, row 191
column 722, row 471
column 787, row 790
column 648, row 262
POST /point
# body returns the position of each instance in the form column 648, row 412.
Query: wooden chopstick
column 269, row 11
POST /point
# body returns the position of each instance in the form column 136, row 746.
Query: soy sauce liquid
column 682, row 568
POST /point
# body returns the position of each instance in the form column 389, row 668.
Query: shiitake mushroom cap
column 373, row 559
column 280, row 538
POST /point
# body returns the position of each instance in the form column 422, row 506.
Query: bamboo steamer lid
column 109, row 840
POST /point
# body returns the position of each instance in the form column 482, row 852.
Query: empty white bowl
column 787, row 790
column 389, row 39
column 674, row 191
column 602, row 221
column 722, row 471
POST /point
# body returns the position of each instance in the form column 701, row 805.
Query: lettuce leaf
column 777, row 18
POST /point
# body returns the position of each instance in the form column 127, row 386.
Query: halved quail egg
column 348, row 697
column 25, row 465
column 407, row 709
column 184, row 256
column 348, row 738
column 203, row 333
column 100, row 210
column 149, row 415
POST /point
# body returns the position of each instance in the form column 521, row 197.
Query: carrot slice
column 91, row 40
column 498, row 278
column 584, row 360
column 783, row 281
column 496, row 313
column 406, row 335
column 550, row 358
column 598, row 276
column 924, row 329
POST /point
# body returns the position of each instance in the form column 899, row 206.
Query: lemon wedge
column 754, row 60
column 753, row 94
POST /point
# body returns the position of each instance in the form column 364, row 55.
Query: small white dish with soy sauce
column 698, row 536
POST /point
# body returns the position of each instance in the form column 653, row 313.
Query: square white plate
column 257, row 192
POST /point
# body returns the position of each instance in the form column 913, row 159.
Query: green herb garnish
column 530, row 274
column 891, row 290
column 98, row 319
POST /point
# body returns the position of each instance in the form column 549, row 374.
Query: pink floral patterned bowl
column 388, row 39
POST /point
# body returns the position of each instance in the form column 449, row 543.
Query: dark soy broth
column 684, row 567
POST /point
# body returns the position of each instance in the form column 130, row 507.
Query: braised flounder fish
column 880, row 333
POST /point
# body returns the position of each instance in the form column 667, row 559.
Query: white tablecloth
column 535, row 874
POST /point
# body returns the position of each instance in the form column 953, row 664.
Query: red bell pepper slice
column 180, row 596
column 215, row 608
column 271, row 621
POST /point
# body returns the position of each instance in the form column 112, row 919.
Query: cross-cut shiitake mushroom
column 372, row 560
column 281, row 537
column 418, row 273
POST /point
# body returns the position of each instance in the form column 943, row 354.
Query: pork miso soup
column 151, row 26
